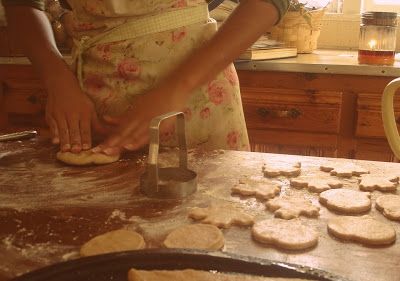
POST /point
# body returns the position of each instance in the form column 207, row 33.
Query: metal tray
column 115, row 266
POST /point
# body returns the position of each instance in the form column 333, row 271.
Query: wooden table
column 47, row 209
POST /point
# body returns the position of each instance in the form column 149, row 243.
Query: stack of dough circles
column 86, row 157
column 196, row 236
column 113, row 241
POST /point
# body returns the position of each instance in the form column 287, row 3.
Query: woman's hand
column 133, row 126
column 70, row 114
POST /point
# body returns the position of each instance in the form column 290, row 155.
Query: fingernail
column 76, row 148
column 109, row 151
column 129, row 147
column 96, row 149
column 85, row 146
column 66, row 146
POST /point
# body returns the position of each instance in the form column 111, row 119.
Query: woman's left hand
column 132, row 131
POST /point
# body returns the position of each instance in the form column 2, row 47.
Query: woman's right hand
column 70, row 114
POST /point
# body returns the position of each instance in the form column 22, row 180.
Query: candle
column 377, row 42
column 372, row 44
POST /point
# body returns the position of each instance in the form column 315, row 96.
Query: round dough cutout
column 365, row 230
column 285, row 234
column 113, row 241
column 196, row 236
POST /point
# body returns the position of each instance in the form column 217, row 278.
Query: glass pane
column 381, row 5
column 387, row 2
column 336, row 6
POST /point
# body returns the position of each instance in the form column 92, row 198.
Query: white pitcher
column 388, row 117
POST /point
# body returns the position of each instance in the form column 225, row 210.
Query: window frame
column 333, row 24
column 351, row 7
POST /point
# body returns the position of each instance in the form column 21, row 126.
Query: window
column 356, row 6
column 381, row 5
column 336, row 7
column 345, row 15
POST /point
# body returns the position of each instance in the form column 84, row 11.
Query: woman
column 139, row 59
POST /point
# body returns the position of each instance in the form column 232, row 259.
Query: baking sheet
column 115, row 266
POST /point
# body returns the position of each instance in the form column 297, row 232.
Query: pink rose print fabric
column 128, row 69
column 233, row 140
column 178, row 35
column 114, row 73
column 218, row 92
column 205, row 113
column 231, row 75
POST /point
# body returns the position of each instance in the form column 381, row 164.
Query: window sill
column 323, row 61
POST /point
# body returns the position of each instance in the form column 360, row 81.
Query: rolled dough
column 196, row 275
column 285, row 234
column 292, row 207
column 113, row 241
column 277, row 170
column 346, row 200
column 316, row 184
column 221, row 216
column 258, row 188
column 382, row 183
column 363, row 229
column 196, row 236
column 389, row 205
column 344, row 171
column 86, row 157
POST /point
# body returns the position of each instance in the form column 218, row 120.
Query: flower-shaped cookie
column 344, row 171
column 277, row 170
column 316, row 184
column 259, row 188
column 221, row 216
column 292, row 207
column 371, row 182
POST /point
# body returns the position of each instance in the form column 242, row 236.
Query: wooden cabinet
column 292, row 110
column 308, row 119
column 316, row 114
column 369, row 115
column 7, row 45
column 23, row 99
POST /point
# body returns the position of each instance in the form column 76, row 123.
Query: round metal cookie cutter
column 171, row 182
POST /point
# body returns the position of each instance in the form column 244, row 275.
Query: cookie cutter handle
column 153, row 175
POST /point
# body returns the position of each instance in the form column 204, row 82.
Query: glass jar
column 377, row 44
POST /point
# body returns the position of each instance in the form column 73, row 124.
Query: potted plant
column 301, row 25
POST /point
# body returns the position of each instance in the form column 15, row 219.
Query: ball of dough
column 196, row 236
column 113, row 241
column 86, row 157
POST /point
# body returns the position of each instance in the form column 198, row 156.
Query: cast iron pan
column 115, row 266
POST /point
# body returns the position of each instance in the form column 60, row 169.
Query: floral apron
column 114, row 73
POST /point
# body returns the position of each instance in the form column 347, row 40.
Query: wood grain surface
column 48, row 210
